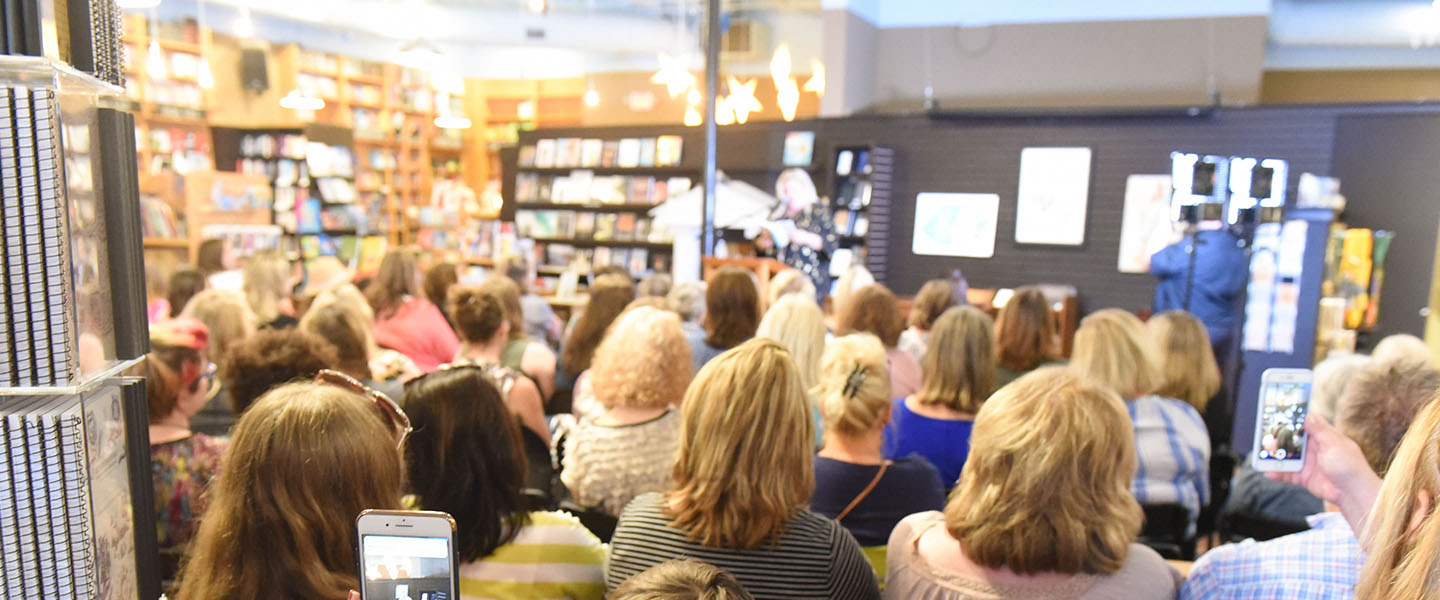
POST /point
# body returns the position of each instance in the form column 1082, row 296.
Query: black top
column 910, row 485
column 815, row 264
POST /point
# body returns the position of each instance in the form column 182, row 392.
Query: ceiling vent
column 747, row 39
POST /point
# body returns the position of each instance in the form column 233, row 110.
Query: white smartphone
column 1280, row 438
column 407, row 555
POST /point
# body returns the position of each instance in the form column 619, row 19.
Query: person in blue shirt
column 1219, row 275
column 1324, row 561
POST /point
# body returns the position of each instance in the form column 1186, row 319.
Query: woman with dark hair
column 184, row 285
column 732, row 314
column 606, row 303
column 439, row 278
column 1025, row 336
column 216, row 262
column 466, row 459
column 873, row 309
column 521, row 353
column 480, row 318
column 403, row 320
column 932, row 300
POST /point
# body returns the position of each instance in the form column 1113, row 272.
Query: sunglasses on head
column 394, row 416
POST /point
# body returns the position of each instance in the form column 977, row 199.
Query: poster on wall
column 955, row 224
column 799, row 148
column 1146, row 226
column 1054, row 191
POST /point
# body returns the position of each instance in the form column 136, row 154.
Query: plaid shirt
column 1173, row 449
column 1323, row 562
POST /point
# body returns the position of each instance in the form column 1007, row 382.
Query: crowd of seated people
column 709, row 440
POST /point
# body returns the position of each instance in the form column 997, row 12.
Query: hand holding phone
column 1280, row 433
column 407, row 555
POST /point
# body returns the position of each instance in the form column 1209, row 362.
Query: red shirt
column 418, row 330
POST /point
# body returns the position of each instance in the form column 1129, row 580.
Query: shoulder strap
column 865, row 492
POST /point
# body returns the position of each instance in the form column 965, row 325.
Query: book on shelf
column 642, row 230
column 605, row 226
column 619, row 257
column 544, row 226
column 843, row 225
column 602, row 257
column 526, row 184
column 609, row 153
column 678, row 185
column 625, row 227
column 559, row 254
column 627, row 155
column 609, row 190
column 545, row 153
column 578, row 189
column 668, row 150
column 647, row 152
column 526, row 158
column 862, row 226
column 570, row 151
column 544, row 188
column 565, row 224
column 640, row 188
column 591, row 151
column 659, row 192
column 584, row 225
column 638, row 260
column 559, row 189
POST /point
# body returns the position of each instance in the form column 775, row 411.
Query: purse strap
column 865, row 492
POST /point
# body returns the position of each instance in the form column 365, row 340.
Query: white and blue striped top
column 1173, row 449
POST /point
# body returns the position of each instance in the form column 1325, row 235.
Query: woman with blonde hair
column 934, row 298
column 638, row 377
column 385, row 364
column 873, row 309
column 269, row 281
column 798, row 324
column 304, row 461
column 854, row 483
column 738, row 492
column 1113, row 350
column 1043, row 510
column 1025, row 335
column 1188, row 370
column 230, row 322
column 935, row 422
column 788, row 282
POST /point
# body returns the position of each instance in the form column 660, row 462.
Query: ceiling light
column 244, row 23
column 742, row 99
column 817, row 77
column 537, row 6
column 693, row 97
column 298, row 101
column 692, row 116
column 787, row 95
column 205, row 77
column 419, row 53
column 724, row 115
column 780, row 64
column 673, row 75
column 592, row 98
column 155, row 60
column 452, row 122
column 136, row 4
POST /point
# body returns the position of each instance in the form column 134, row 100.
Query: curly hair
column 273, row 357
column 1380, row 403
column 932, row 300
column 643, row 360
column 478, row 312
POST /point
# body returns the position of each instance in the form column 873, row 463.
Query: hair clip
column 855, row 380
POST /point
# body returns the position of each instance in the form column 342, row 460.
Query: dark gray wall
column 1389, row 169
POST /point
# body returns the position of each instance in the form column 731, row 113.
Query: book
column 601, row 257
column 565, row 224
column 545, row 153
column 627, row 154
column 642, row 230
column 843, row 226
column 678, row 185
column 659, row 192
column 619, row 257
column 668, row 150
column 609, row 153
column 584, row 225
column 526, row 185
column 647, row 152
column 526, row 158
column 559, row 190
column 640, row 190
column 625, row 227
column 545, row 224
column 544, row 186
column 591, row 150
column 525, row 223
column 605, row 227
column 570, row 151
column 609, row 190
column 638, row 262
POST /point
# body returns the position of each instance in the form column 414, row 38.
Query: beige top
column 1145, row 575
column 605, row 466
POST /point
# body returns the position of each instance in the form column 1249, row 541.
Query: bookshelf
column 584, row 201
column 861, row 179
column 171, row 110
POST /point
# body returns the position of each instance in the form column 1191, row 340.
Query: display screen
column 1282, row 421
column 406, row 568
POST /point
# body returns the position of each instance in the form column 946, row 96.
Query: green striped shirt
column 552, row 557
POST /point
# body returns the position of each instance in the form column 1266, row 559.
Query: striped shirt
column 814, row 557
column 1321, row 563
column 1173, row 449
column 554, row 556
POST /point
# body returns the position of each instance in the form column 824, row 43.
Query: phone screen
column 1282, row 421
column 405, row 567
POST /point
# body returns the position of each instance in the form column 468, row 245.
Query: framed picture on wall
column 955, row 224
column 1053, row 196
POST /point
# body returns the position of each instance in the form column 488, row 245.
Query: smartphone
column 1280, row 425
column 407, row 555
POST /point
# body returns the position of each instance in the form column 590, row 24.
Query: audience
column 934, row 298
column 787, row 282
column 216, row 262
column 404, row 321
column 1112, row 350
column 732, row 313
column 873, row 309
column 280, row 521
column 1256, row 496
column 681, row 579
column 541, row 324
column 182, row 462
column 1026, row 337
column 741, row 481
column 936, row 421
column 268, row 282
column 157, row 292
column 1043, row 509
column 522, row 354
column 480, row 318
column 1188, row 371
column 1400, row 347
column 627, row 448
column 604, row 305
column 466, row 459
column 797, row 323
column 1324, row 561
column 184, row 285
column 656, row 284
column 385, row 364
column 348, row 333
column 270, row 358
column 229, row 321
column 688, row 300
column 439, row 278
column 854, row 483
